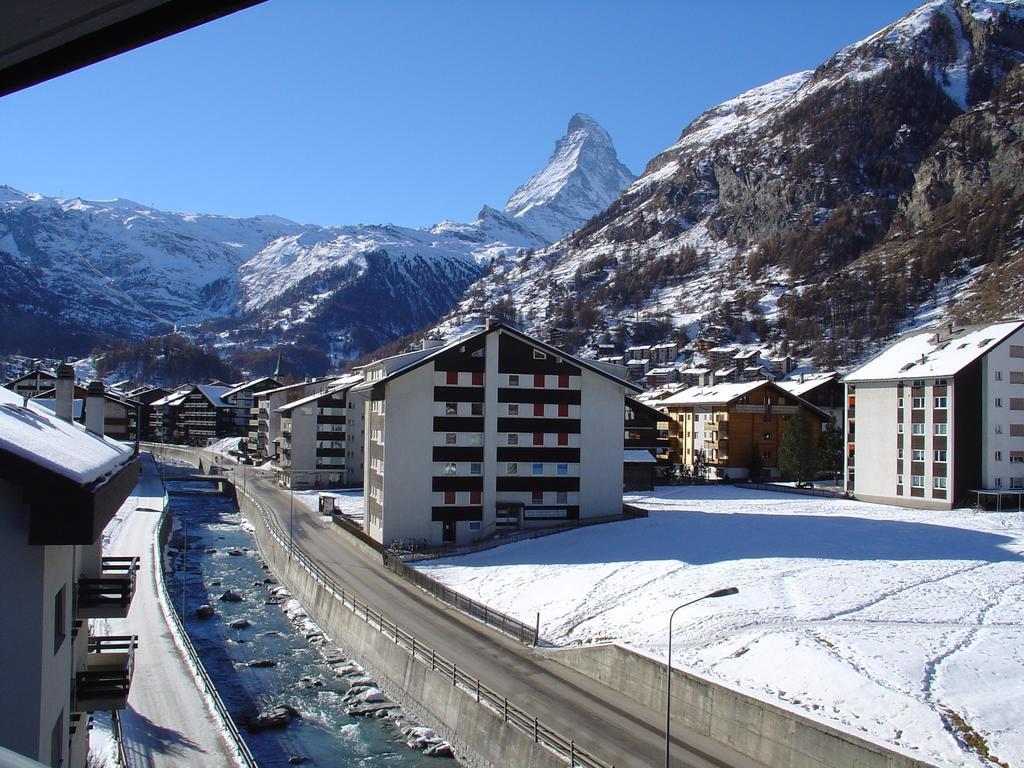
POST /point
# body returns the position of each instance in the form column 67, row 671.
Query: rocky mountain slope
column 820, row 212
column 75, row 272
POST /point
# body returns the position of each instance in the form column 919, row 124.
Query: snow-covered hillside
column 778, row 216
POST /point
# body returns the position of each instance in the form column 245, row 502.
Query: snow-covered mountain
column 823, row 211
column 77, row 271
column 583, row 176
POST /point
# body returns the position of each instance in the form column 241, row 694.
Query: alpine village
column 721, row 464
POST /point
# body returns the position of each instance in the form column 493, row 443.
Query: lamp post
column 291, row 508
column 668, row 664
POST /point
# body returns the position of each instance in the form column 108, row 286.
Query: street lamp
column 668, row 664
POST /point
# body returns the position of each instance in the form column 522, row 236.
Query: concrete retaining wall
column 766, row 733
column 481, row 738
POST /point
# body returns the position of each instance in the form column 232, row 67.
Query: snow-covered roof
column 934, row 354
column 245, row 385
column 809, row 383
column 214, row 393
column 636, row 456
column 342, row 384
column 50, row 404
column 286, row 387
column 35, row 434
column 719, row 394
column 174, row 398
column 661, row 371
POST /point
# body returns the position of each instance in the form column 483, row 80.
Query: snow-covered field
column 878, row 619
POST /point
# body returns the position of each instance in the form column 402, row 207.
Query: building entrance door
column 448, row 531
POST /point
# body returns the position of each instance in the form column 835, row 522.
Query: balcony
column 109, row 595
column 107, row 678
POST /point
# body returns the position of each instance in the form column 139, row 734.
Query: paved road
column 599, row 719
column 167, row 723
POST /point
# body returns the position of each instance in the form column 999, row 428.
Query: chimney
column 65, row 391
column 95, row 404
column 431, row 343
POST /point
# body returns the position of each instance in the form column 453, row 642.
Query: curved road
column 602, row 721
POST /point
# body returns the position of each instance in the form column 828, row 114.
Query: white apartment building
column 265, row 420
column 494, row 431
column 321, row 438
column 60, row 484
column 938, row 417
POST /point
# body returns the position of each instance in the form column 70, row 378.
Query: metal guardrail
column 122, row 756
column 511, row 714
column 517, row 629
column 820, row 492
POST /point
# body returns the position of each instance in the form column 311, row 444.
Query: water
column 302, row 679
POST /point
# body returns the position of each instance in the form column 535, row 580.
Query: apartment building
column 731, row 428
column 265, row 418
column 493, row 431
column 32, row 384
column 321, row 443
column 937, row 419
column 241, row 397
column 60, row 484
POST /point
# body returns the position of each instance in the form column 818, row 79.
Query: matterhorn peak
column 582, row 178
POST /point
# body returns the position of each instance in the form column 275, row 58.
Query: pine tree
column 799, row 457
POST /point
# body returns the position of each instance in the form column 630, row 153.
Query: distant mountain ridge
column 81, row 271
column 818, row 213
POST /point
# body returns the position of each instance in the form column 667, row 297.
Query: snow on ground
column 349, row 501
column 875, row 619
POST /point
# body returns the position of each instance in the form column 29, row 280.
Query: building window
column 476, row 409
column 1016, row 350
column 538, row 469
column 538, row 409
column 999, row 429
column 474, row 525
column 537, row 497
column 940, row 402
column 918, row 455
column 449, row 497
column 1017, row 457
column 474, row 497
column 999, row 375
column 562, row 497
column 478, row 378
column 562, row 469
column 476, row 438
column 917, row 481
column 942, row 429
column 999, row 482
column 899, row 402
column 452, row 377
column 538, row 380
column 899, row 454
column 766, row 436
column 563, row 438
column 899, row 429
column 450, row 438
column 563, row 409
column 538, row 438
column 917, row 402
column 918, row 383
column 451, row 409
column 563, row 381
column 999, row 402
column 998, row 456
column 59, row 620
column 940, row 456
column 917, row 429
column 512, row 438
column 450, row 468
column 513, row 380
column 475, row 468
column 513, row 409
column 1017, row 482
column 538, row 355
column 512, row 468
column 940, row 483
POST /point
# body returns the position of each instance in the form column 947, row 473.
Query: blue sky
column 334, row 112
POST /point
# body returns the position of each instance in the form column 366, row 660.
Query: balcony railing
column 107, row 678
column 109, row 595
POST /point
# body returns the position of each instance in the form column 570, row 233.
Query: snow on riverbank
column 878, row 619
column 348, row 501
